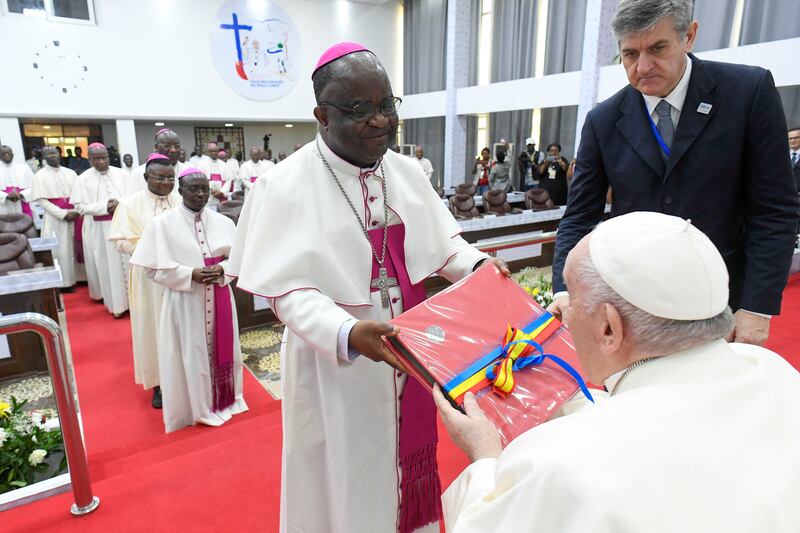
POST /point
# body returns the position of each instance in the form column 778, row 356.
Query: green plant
column 26, row 440
column 536, row 284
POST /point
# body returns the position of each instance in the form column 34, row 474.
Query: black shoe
column 67, row 289
column 156, row 403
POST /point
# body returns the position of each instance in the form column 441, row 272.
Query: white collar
column 192, row 214
column 677, row 97
column 340, row 165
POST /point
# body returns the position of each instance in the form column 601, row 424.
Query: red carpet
column 784, row 337
column 199, row 479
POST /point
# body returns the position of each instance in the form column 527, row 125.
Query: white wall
column 150, row 59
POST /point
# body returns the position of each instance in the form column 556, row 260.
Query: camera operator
column 553, row 171
column 528, row 171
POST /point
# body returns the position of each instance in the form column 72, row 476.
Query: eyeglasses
column 366, row 110
column 162, row 179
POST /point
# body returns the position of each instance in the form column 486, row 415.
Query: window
column 485, row 44
column 74, row 11
column 482, row 139
column 229, row 139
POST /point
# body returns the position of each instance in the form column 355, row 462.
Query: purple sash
column 215, row 177
column 26, row 209
column 420, row 500
column 223, row 385
column 253, row 179
column 63, row 203
column 102, row 218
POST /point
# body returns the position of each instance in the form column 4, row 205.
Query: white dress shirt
column 676, row 98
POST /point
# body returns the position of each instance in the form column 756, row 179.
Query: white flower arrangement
column 37, row 457
column 537, row 284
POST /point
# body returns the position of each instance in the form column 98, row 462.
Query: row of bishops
column 174, row 287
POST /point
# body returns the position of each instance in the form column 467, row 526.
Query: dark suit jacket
column 727, row 172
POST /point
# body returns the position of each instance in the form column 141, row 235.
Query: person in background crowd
column 528, row 171
column 127, row 165
column 424, row 163
column 535, row 156
column 481, row 169
column 52, row 187
column 553, row 174
column 500, row 174
column 281, row 156
column 196, row 156
column 182, row 156
column 15, row 184
column 794, row 154
column 79, row 163
column 35, row 160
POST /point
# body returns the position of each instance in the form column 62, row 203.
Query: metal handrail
column 55, row 351
column 515, row 241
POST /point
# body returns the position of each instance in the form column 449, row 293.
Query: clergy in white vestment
column 96, row 197
column 697, row 435
column 232, row 162
column 127, row 165
column 186, row 251
column 424, row 163
column 15, row 184
column 167, row 143
column 130, row 220
column 218, row 174
column 253, row 168
column 51, row 189
column 340, row 237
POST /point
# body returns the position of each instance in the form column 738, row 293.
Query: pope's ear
column 321, row 114
column 613, row 335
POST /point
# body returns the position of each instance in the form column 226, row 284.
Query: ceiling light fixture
column 289, row 125
column 46, row 127
column 229, row 125
column 159, row 123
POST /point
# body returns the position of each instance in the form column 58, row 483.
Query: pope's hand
column 366, row 339
column 559, row 306
column 473, row 433
column 750, row 328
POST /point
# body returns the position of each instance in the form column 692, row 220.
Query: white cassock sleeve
column 80, row 199
column 52, row 209
column 314, row 317
column 177, row 279
column 464, row 262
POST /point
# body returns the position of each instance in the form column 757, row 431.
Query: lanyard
column 657, row 135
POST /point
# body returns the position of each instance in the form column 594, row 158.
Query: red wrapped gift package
column 455, row 336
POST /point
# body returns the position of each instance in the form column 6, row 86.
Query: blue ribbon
column 487, row 359
column 653, row 127
column 528, row 360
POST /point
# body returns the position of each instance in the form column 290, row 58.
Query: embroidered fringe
column 420, row 490
column 223, row 388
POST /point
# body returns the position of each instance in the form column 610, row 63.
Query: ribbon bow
column 518, row 348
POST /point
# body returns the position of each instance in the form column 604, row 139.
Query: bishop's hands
column 13, row 196
column 219, row 195
column 111, row 206
column 496, row 261
column 366, row 338
column 472, row 432
column 72, row 216
column 207, row 275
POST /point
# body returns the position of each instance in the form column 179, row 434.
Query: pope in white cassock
column 253, row 168
column 15, row 184
column 200, row 364
column 167, row 143
column 218, row 173
column 51, row 189
column 96, row 196
column 340, row 238
column 698, row 435
column 130, row 220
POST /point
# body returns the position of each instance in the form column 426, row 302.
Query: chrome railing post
column 56, row 353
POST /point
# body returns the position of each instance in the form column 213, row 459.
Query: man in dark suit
column 794, row 153
column 696, row 139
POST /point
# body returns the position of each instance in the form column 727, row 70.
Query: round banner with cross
column 256, row 49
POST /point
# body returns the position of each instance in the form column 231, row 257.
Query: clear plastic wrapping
column 442, row 337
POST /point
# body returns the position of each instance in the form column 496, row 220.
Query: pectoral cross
column 383, row 283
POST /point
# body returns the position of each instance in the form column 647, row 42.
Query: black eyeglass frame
column 353, row 115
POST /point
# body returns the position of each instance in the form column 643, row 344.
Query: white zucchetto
column 661, row 264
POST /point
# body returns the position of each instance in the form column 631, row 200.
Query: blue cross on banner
column 236, row 27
